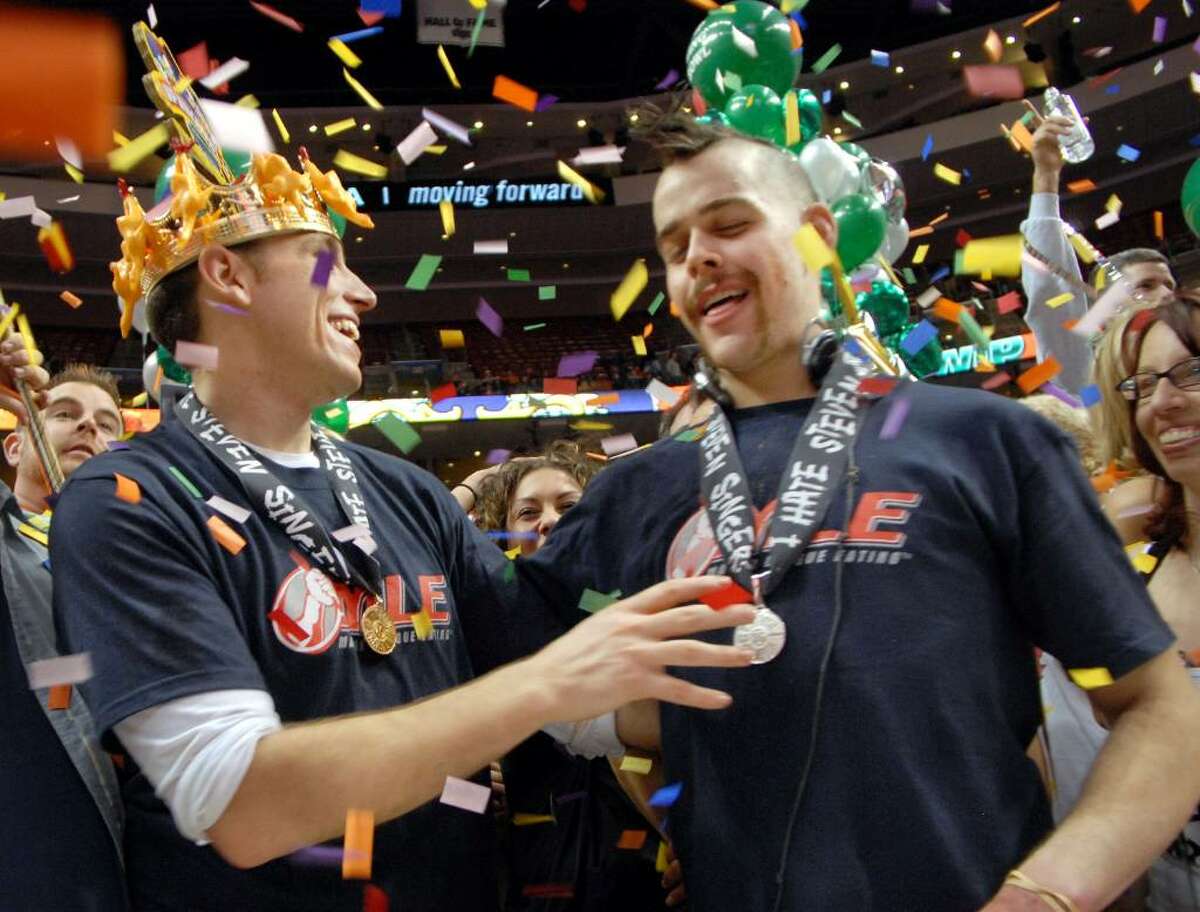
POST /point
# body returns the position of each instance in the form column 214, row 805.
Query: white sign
column 453, row 21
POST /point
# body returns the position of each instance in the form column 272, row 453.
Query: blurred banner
column 452, row 22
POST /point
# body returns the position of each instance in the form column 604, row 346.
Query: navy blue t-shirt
column 167, row 612
column 973, row 535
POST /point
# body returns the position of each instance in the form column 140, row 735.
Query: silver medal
column 764, row 635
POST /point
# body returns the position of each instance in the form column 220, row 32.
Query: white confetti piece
column 469, row 796
column 69, row 152
column 230, row 69
column 238, row 514
column 447, row 126
column 928, row 296
column 351, row 532
column 72, row 669
column 416, row 142
column 491, row 247
column 1107, row 220
column 663, row 393
column 621, row 443
column 600, row 155
column 237, row 128
column 17, row 207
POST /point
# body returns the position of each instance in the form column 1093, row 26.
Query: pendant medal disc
column 764, row 636
column 378, row 629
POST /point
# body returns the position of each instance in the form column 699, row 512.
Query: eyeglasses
column 1185, row 376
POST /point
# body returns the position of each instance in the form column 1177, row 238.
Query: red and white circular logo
column 307, row 614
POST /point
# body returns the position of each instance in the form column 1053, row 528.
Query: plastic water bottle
column 1077, row 145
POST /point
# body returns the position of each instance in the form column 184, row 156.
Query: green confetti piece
column 477, row 30
column 688, row 435
column 533, row 326
column 657, row 302
column 547, row 292
column 851, row 119
column 1027, row 118
column 909, row 276
column 592, row 601
column 422, row 273
column 518, row 275
column 510, row 572
column 974, row 331
column 186, row 482
column 398, row 431
column 960, row 259
column 822, row 63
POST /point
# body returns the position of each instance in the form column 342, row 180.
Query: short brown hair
column 1130, row 257
column 88, row 373
column 496, row 493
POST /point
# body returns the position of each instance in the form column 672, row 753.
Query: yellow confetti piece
column 531, row 819
column 949, row 175
column 1060, row 300
column 283, row 130
column 246, row 101
column 422, row 625
column 351, row 162
column 435, row 150
column 513, row 553
column 631, row 286
column 134, row 150
column 639, row 765
column 441, row 52
column 452, row 338
column 120, row 139
column 660, row 861
column 1090, row 678
column 639, row 345
column 919, row 256
column 363, row 93
column 1086, row 251
column 1113, row 204
column 593, row 193
column 340, row 126
column 998, row 256
column 791, row 118
column 1144, row 563
column 27, row 337
column 183, row 85
column 140, row 400
column 812, row 247
column 76, row 174
column 345, row 55
column 446, row 208
column 9, row 318
column 591, row 426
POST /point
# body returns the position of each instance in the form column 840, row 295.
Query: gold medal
column 377, row 628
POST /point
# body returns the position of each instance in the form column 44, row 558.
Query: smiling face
column 540, row 500
column 1152, row 281
column 725, row 221
column 1169, row 419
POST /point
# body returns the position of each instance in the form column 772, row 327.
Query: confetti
column 322, row 269
column 927, row 147
column 447, row 126
column 667, row 81
column 593, row 193
column 508, row 90
column 195, row 355
column 1039, row 374
column 576, row 363
column 993, row 46
column 817, row 254
column 69, row 299
column 1008, row 303
column 519, row 275
column 1128, row 152
column 344, row 53
column 530, row 327
column 445, row 61
column 919, row 255
column 656, row 303
column 560, row 386
column 55, row 247
column 186, row 482
column 127, row 489
column 592, row 601
column 881, row 59
column 791, row 119
column 949, row 175
column 272, row 13
column 238, row 514
column 666, row 796
column 1081, row 186
column 1090, row 395
column 420, row 139
column 279, row 125
column 225, row 536
column 1158, row 224
column 451, row 338
column 423, row 272
column 997, row 381
column 242, row 129
column 920, row 336
column 362, row 91
column 125, row 158
column 358, row 844
column 994, row 81
column 1090, row 678
column 632, row 839
column 634, row 764
column 469, row 796
column 230, row 69
column 70, row 669
column 532, row 819
column 348, row 37
column 620, row 443
column 947, row 310
column 599, row 155
column 1107, row 220
column 446, row 208
column 1160, row 30
column 487, row 315
column 895, row 418
column 631, row 286
column 999, row 256
column 59, row 697
column 547, row 292
column 398, row 431
column 1052, row 8
column 822, row 63
column 639, row 345
column 1060, row 300
column 662, row 393
column 348, row 161
column 491, row 247
column 496, row 457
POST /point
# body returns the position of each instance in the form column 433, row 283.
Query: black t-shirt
column 973, row 534
column 167, row 612
column 56, row 851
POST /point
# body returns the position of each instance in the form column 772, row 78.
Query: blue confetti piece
column 666, row 796
column 797, row 17
column 1090, row 395
column 513, row 536
column 46, row 564
column 927, row 148
column 389, row 8
column 881, row 58
column 853, row 347
column 1114, row 89
column 1195, row 140
column 922, row 334
column 939, row 275
column 966, row 175
column 1129, row 153
column 827, row 96
column 347, row 37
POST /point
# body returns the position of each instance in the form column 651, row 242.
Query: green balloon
column 239, row 163
column 714, row 118
column 757, row 111
column 887, row 304
column 857, row 151
column 926, row 361
column 748, row 40
column 862, row 224
column 811, row 114
column 1189, row 198
column 334, row 415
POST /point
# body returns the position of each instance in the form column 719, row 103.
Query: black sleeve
column 134, row 587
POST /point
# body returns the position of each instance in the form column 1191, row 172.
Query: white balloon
column 150, row 374
column 894, row 240
column 832, row 171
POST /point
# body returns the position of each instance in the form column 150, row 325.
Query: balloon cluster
column 1189, row 198
column 742, row 62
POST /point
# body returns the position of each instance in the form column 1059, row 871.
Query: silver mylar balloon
column 832, row 171
column 881, row 181
column 895, row 240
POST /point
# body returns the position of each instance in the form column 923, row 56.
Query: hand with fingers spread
column 15, row 364
column 1047, row 152
column 621, row 653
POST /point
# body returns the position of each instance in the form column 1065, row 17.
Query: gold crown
column 217, row 208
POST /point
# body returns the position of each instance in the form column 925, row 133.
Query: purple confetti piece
column 1196, row 46
column 118, row 445
column 322, row 268
column 1060, row 394
column 487, row 315
column 1160, row 29
column 495, row 457
column 544, row 102
column 226, row 308
column 570, row 796
column 667, row 81
column 531, row 535
column 318, row 855
column 895, row 418
column 576, row 363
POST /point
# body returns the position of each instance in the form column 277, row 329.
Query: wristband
column 1057, row 901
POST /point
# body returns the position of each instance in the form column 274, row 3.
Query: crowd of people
column 785, row 658
column 610, row 372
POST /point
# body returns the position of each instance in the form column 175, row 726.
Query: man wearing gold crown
column 286, row 628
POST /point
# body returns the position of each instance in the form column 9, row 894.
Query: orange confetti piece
column 797, row 37
column 1158, row 224
column 646, row 330
column 938, row 219
column 672, row 309
column 511, row 91
column 225, row 536
column 71, row 300
column 947, row 309
column 357, row 845
column 59, row 697
column 281, row 18
column 632, row 839
column 606, row 399
column 1039, row 374
column 1053, row 7
column 1136, row 5
column 1082, row 186
column 127, row 489
column 560, row 386
column 993, row 46
column 920, row 232
column 1021, row 135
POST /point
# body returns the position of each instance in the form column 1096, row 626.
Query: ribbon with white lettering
column 276, row 501
column 810, row 479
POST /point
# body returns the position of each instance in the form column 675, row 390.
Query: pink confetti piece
column 1008, row 303
column 322, row 268
column 272, row 13
column 487, row 315
column 618, row 444
column 996, row 380
column 895, row 418
column 445, row 391
column 994, row 81
column 469, row 796
column 193, row 354
column 576, row 363
column 233, row 511
column 71, row 669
